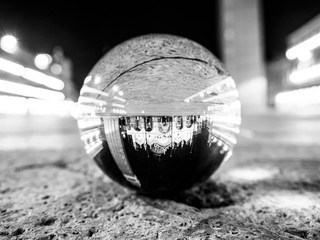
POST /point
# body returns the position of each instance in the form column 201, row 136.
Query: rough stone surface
column 267, row 190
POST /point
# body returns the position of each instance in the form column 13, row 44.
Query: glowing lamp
column 42, row 61
column 9, row 43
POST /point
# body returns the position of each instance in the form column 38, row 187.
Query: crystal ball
column 159, row 114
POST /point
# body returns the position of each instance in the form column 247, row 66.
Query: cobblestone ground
column 269, row 189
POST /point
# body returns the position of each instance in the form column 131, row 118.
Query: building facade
column 294, row 79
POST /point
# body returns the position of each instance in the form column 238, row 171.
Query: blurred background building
column 288, row 83
column 294, row 78
column 242, row 50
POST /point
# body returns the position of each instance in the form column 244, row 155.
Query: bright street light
column 42, row 61
column 31, row 75
column 9, row 43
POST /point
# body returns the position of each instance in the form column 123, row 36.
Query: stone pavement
column 269, row 189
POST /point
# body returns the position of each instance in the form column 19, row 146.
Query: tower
column 242, row 50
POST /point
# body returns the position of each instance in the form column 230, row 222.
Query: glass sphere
column 158, row 114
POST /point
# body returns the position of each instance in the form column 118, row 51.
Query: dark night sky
column 87, row 31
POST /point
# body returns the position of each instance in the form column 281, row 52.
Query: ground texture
column 269, row 189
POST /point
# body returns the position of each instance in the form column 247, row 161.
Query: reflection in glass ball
column 159, row 114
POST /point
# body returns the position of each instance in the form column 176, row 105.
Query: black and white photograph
column 169, row 120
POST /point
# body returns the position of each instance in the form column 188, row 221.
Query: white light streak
column 30, row 74
column 49, row 107
column 119, row 99
column 230, row 139
column 21, row 105
column 11, row 67
column 305, row 75
column 305, row 56
column 227, row 81
column 226, row 120
column 118, row 105
column 227, row 156
column 41, row 78
column 307, row 45
column 235, row 130
column 28, row 91
column 94, row 147
column 300, row 97
column 87, row 79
